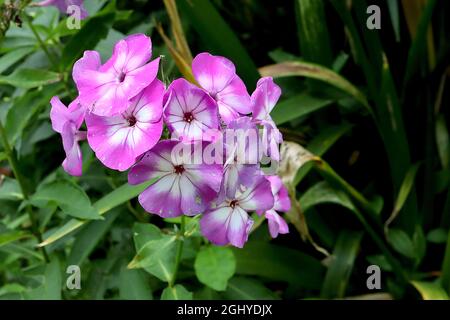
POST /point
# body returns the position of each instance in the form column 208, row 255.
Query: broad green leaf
column 214, row 266
column 24, row 109
column 51, row 286
column 10, row 189
column 430, row 290
column 401, row 242
column 177, row 292
column 241, row 288
column 218, row 36
column 438, row 236
column 3, row 156
column 69, row 197
column 314, row 71
column 279, row 263
column 14, row 56
column 206, row 293
column 157, row 257
column 11, row 288
column 30, row 78
column 296, row 107
column 342, row 261
column 133, row 285
column 322, row 192
column 111, row 200
column 11, row 236
column 88, row 238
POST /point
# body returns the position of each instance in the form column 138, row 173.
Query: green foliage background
column 370, row 106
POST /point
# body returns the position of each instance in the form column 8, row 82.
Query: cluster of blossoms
column 211, row 165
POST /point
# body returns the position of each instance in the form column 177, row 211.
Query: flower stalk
column 180, row 246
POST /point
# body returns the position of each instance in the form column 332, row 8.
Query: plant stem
column 41, row 43
column 15, row 169
column 179, row 252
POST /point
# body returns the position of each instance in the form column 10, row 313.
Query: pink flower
column 264, row 99
column 281, row 203
column 181, row 187
column 189, row 112
column 229, row 222
column 62, row 5
column 119, row 140
column 107, row 89
column 217, row 75
column 67, row 121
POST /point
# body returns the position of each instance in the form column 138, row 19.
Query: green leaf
column 10, row 190
column 430, row 290
column 419, row 44
column 30, row 78
column 279, row 264
column 219, row 37
column 69, row 197
column 133, row 285
column 8, row 237
column 157, row 256
column 322, row 192
column 403, row 194
column 24, row 109
column 314, row 71
column 313, row 32
column 87, row 38
column 11, row 288
column 51, row 286
column 395, row 17
column 442, row 141
column 241, row 288
column 296, row 107
column 401, row 242
column 111, row 200
column 88, row 238
column 342, row 261
column 438, row 236
column 177, row 292
column 14, row 56
column 214, row 266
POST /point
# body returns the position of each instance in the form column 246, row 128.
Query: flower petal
column 276, row 223
column 226, row 225
column 213, row 73
column 73, row 163
column 258, row 196
column 280, row 193
column 264, row 98
column 163, row 197
column 233, row 100
column 154, row 163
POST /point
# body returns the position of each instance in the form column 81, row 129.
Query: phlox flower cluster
column 125, row 109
